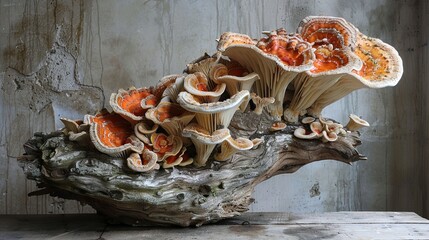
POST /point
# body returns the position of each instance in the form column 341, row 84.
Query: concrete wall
column 64, row 58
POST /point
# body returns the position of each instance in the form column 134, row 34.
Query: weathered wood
column 336, row 225
column 184, row 196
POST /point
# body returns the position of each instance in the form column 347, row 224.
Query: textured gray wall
column 64, row 58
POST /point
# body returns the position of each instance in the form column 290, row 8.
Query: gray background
column 64, row 58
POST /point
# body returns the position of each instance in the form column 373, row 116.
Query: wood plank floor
column 335, row 225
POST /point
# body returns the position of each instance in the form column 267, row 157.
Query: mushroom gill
column 277, row 59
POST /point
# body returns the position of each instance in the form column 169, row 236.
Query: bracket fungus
column 382, row 67
column 276, row 59
column 177, row 125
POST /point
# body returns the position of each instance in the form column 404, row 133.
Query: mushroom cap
column 165, row 146
column 198, row 133
column 382, row 65
column 113, row 135
column 165, row 83
column 302, row 134
column 317, row 128
column 143, row 163
column 197, row 84
column 356, row 123
column 229, row 38
column 231, row 146
column 188, row 102
column 329, row 136
column 278, row 126
column 323, row 30
column 174, row 160
column 143, row 129
column 308, row 120
column 127, row 103
column 149, row 102
column 256, row 142
column 71, row 125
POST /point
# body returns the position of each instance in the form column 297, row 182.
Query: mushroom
column 355, row 123
column 277, row 59
column 308, row 120
column 382, row 67
column 256, row 142
column 143, row 163
column 216, row 115
column 171, row 117
column 328, row 67
column 175, row 160
column 127, row 103
column 303, row 134
column 317, row 128
column 113, row 135
column 149, row 102
column 278, row 126
column 230, row 146
column 329, row 136
column 165, row 146
column 234, row 83
column 204, row 141
column 166, row 83
column 203, row 65
column 144, row 129
column 198, row 85
column 186, row 159
column 173, row 90
column 260, row 103
column 71, row 125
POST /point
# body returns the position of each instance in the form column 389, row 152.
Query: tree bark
column 184, row 196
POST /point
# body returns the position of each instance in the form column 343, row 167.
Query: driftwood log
column 184, row 196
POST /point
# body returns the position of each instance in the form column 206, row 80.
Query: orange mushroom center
column 288, row 50
column 130, row 101
column 327, row 59
column 161, row 144
column 321, row 33
column 112, row 129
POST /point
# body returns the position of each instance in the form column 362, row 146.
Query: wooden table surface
column 336, row 225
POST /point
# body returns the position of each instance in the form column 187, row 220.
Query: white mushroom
column 230, row 146
column 329, row 136
column 302, row 134
column 278, row 126
column 261, row 103
column 143, row 130
column 197, row 84
column 356, row 123
column 143, row 163
column 216, row 115
column 308, row 120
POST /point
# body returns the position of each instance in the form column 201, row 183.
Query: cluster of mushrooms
column 184, row 117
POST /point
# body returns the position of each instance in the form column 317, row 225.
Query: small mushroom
column 145, row 162
column 329, row 136
column 356, row 123
column 278, row 126
column 71, row 125
column 230, row 146
column 165, row 146
column 197, row 84
column 149, row 102
column 303, row 134
column 261, row 103
column 144, row 129
column 308, row 120
column 216, row 115
column 204, row 141
column 317, row 128
column 173, row 90
column 175, row 160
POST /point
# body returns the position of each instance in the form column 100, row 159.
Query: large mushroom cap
column 323, row 30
